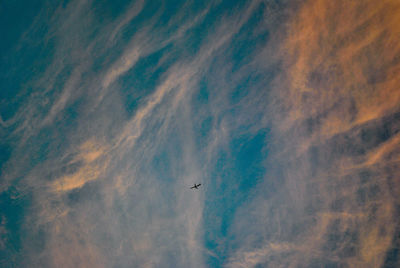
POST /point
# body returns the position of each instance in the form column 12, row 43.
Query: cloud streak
column 286, row 112
column 335, row 113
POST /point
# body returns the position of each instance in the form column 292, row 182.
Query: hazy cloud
column 287, row 112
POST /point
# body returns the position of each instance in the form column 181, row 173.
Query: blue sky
column 285, row 111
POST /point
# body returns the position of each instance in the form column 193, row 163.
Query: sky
column 286, row 111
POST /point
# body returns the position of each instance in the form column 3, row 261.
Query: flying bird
column 195, row 186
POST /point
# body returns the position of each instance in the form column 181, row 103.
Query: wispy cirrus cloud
column 97, row 192
column 286, row 112
column 334, row 110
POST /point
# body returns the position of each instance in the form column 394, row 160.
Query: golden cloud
column 342, row 57
column 338, row 99
column 93, row 162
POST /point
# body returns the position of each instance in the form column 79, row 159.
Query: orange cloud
column 93, row 162
column 341, row 57
column 338, row 97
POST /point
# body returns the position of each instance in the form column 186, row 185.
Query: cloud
column 3, row 233
column 106, row 179
column 126, row 62
column 124, row 19
column 334, row 112
column 96, row 192
column 90, row 167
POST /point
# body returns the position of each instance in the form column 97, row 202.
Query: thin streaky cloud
column 286, row 112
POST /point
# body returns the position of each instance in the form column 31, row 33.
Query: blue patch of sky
column 248, row 40
column 203, row 131
column 202, row 118
column 170, row 9
column 105, row 13
column 40, row 147
column 238, row 170
column 107, row 10
column 143, row 19
column 163, row 16
column 168, row 154
column 13, row 207
column 244, row 86
column 162, row 166
column 68, row 119
column 198, row 35
column 202, row 95
column 141, row 80
column 15, row 18
column 36, row 148
column 23, row 57
column 5, row 154
column 234, row 179
column 51, row 140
